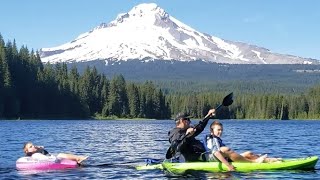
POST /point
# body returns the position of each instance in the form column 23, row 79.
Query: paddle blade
column 228, row 100
column 169, row 153
column 173, row 148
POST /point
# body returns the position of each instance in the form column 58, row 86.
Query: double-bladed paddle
column 227, row 101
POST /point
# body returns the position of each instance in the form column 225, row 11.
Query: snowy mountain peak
column 148, row 14
column 151, row 9
column 144, row 13
column 148, row 32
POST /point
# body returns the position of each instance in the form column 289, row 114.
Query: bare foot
column 81, row 158
column 261, row 159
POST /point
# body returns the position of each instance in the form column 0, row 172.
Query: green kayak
column 285, row 164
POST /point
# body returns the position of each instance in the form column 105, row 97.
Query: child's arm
column 218, row 155
column 214, row 145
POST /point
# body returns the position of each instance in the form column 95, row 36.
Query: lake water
column 116, row 147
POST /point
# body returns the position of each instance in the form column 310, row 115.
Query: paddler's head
column 183, row 120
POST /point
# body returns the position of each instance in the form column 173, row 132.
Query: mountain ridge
column 147, row 32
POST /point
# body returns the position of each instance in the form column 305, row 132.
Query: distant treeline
column 200, row 76
column 251, row 106
column 32, row 90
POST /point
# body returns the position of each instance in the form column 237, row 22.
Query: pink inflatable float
column 29, row 163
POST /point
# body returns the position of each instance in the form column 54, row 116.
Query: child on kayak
column 220, row 152
column 38, row 152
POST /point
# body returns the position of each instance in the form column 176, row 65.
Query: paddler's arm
column 203, row 123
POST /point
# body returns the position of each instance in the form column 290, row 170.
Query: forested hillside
column 199, row 76
column 32, row 90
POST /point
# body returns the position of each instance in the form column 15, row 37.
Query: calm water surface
column 116, row 147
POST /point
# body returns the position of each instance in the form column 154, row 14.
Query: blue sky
column 283, row 26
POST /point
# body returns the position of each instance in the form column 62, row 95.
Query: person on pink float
column 38, row 152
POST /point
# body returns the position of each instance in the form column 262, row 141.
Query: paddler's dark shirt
column 190, row 148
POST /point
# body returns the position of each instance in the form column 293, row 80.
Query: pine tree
column 104, row 97
column 74, row 77
column 118, row 101
column 133, row 100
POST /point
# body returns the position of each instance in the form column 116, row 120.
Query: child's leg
column 250, row 155
column 73, row 157
column 227, row 152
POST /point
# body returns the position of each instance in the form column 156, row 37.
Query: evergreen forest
column 30, row 89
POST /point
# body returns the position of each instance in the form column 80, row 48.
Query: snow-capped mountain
column 148, row 32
